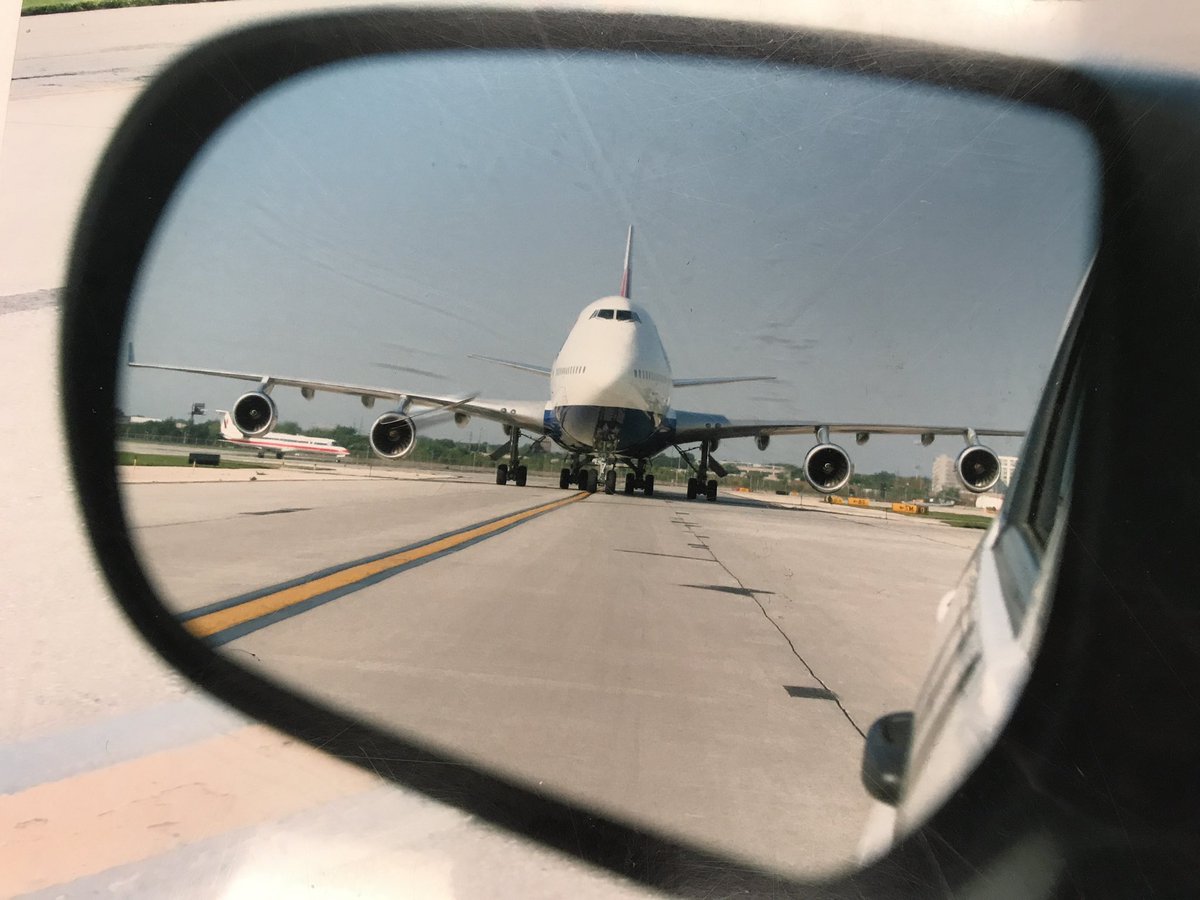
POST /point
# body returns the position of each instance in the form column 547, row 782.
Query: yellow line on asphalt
column 214, row 622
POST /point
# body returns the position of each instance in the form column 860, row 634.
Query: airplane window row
column 570, row 370
column 621, row 315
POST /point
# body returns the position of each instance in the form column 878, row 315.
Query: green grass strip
column 47, row 7
column 126, row 458
column 962, row 521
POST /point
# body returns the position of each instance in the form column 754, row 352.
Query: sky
column 889, row 252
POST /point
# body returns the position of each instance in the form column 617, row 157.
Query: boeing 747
column 611, row 393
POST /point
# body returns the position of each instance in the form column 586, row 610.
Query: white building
column 944, row 475
column 771, row 470
column 1008, row 467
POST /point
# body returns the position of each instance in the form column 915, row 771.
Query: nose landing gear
column 610, row 480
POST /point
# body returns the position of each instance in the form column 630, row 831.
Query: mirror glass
column 359, row 241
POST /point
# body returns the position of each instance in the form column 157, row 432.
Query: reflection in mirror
column 489, row 481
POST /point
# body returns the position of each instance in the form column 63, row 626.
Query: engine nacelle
column 462, row 419
column 827, row 468
column 254, row 414
column 393, row 435
column 762, row 441
column 978, row 468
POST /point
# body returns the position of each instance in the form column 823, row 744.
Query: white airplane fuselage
column 610, row 386
column 280, row 443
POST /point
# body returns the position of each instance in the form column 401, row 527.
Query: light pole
column 197, row 410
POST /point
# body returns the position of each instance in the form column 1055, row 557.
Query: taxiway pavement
column 703, row 669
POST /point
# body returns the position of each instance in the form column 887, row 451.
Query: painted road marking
column 65, row 830
column 230, row 619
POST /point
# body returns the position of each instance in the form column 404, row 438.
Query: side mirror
column 885, row 756
column 333, row 610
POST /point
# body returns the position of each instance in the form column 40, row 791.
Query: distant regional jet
column 609, row 406
column 278, row 442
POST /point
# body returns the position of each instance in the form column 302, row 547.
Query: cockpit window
column 621, row 315
column 624, row 315
column 606, row 313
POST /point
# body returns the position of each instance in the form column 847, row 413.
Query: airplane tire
column 610, row 481
column 520, row 476
column 591, row 478
column 502, row 474
column 564, row 479
column 711, row 490
column 693, row 488
column 648, row 485
column 629, row 481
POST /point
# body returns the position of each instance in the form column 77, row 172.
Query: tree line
column 448, row 452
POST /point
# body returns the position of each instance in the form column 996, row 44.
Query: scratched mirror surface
column 614, row 422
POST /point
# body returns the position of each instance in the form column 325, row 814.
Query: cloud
column 797, row 345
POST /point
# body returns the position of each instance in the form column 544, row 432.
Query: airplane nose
column 609, row 386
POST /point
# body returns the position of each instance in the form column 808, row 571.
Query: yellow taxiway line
column 213, row 623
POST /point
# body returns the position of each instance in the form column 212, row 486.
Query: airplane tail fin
column 228, row 429
column 625, row 285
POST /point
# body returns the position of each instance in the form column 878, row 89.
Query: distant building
column 1008, row 468
column 944, row 475
column 772, row 470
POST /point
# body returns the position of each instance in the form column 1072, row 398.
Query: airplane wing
column 696, row 382
column 526, row 414
column 691, row 427
column 678, row 382
column 524, row 367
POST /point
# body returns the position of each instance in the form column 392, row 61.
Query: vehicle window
column 1039, row 497
column 606, row 313
column 624, row 315
column 1054, row 483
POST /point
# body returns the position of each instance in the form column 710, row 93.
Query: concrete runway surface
column 704, row 669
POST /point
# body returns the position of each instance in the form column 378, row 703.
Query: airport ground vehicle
column 1090, row 785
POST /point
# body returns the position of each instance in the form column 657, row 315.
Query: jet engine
column 978, row 468
column 762, row 441
column 393, row 435
column 254, row 414
column 828, row 468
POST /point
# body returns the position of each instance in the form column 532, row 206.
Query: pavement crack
column 750, row 592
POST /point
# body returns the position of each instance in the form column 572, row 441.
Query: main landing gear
column 514, row 470
column 638, row 480
column 575, row 474
column 590, row 480
column 701, row 483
